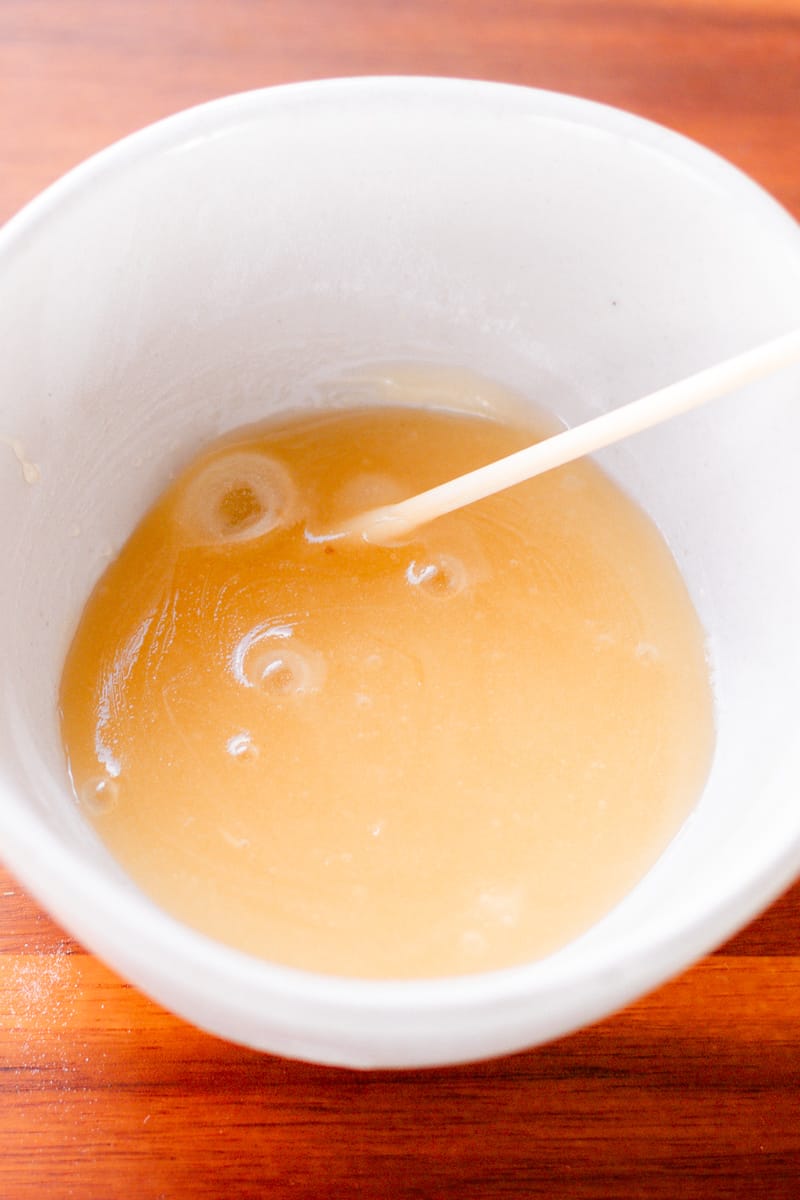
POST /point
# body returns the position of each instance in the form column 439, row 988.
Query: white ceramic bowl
column 218, row 265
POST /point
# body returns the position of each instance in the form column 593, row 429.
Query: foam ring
column 283, row 672
column 441, row 577
column 238, row 497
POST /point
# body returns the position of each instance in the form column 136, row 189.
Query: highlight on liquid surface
column 443, row 756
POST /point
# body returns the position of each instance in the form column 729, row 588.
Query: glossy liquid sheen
column 438, row 757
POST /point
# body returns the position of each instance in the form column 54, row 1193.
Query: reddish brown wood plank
column 697, row 1082
column 81, row 73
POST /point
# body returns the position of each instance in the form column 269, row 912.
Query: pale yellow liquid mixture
column 439, row 757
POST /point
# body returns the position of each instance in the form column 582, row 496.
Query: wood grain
column 692, row 1092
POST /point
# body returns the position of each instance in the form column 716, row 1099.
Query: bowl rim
column 52, row 870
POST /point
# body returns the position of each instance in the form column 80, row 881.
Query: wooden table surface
column 692, row 1092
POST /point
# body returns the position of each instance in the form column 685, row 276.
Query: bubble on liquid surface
column 441, row 576
column 283, row 671
column 241, row 746
column 236, row 498
column 99, row 795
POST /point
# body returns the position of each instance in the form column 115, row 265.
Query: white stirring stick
column 396, row 520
